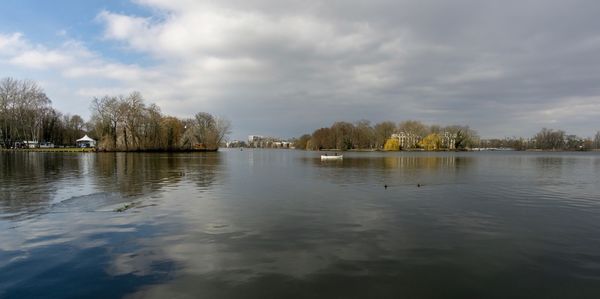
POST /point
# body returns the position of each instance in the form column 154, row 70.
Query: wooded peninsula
column 118, row 123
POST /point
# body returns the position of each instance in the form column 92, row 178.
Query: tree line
column 26, row 114
column 547, row 139
column 411, row 135
column 123, row 123
column 126, row 123
column 388, row 135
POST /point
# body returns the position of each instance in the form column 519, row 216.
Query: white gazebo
column 86, row 141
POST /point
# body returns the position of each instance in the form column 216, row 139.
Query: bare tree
column 204, row 128
column 383, row 131
column 414, row 130
column 171, row 132
column 341, row 135
column 464, row 137
column 302, row 142
column 152, row 127
column 222, row 130
column 205, row 131
column 108, row 115
column 363, row 135
column 322, row 138
column 414, row 127
column 550, row 139
column 23, row 108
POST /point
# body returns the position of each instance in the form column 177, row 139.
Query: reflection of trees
column 548, row 163
column 140, row 173
column 435, row 162
column 399, row 162
column 131, row 173
column 374, row 169
column 207, row 171
column 29, row 181
column 548, row 167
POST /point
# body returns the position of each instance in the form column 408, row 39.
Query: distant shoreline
column 461, row 150
column 93, row 150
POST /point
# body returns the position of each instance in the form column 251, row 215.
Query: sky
column 284, row 68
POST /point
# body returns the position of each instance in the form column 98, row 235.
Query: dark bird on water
column 385, row 186
column 419, row 185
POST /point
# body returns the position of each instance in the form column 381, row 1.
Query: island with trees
column 415, row 135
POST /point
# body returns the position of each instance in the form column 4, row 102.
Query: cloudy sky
column 283, row 68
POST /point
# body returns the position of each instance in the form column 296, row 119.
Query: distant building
column 254, row 138
column 411, row 141
column 258, row 141
column 448, row 140
column 407, row 140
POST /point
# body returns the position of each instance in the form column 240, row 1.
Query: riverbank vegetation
column 387, row 135
column 415, row 135
column 126, row 123
column 118, row 123
column 26, row 113
column 548, row 140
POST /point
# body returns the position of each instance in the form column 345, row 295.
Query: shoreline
column 458, row 151
column 94, row 150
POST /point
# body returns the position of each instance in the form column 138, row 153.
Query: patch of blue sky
column 51, row 23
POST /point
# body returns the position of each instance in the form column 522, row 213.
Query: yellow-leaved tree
column 392, row 144
column 431, row 142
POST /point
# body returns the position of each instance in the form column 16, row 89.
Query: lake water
column 283, row 224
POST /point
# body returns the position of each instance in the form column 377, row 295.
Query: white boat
column 336, row 157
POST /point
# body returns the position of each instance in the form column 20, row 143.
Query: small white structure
column 86, row 141
column 31, row 144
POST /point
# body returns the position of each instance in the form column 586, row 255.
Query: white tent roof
column 85, row 138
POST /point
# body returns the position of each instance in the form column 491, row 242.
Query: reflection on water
column 396, row 162
column 283, row 224
column 34, row 182
column 391, row 169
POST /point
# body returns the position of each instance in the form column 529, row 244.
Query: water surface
column 283, row 224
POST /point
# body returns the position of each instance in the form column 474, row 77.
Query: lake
column 283, row 224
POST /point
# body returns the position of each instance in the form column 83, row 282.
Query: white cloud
column 41, row 59
column 18, row 51
column 216, row 31
column 66, row 69
column 11, row 43
column 121, row 27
